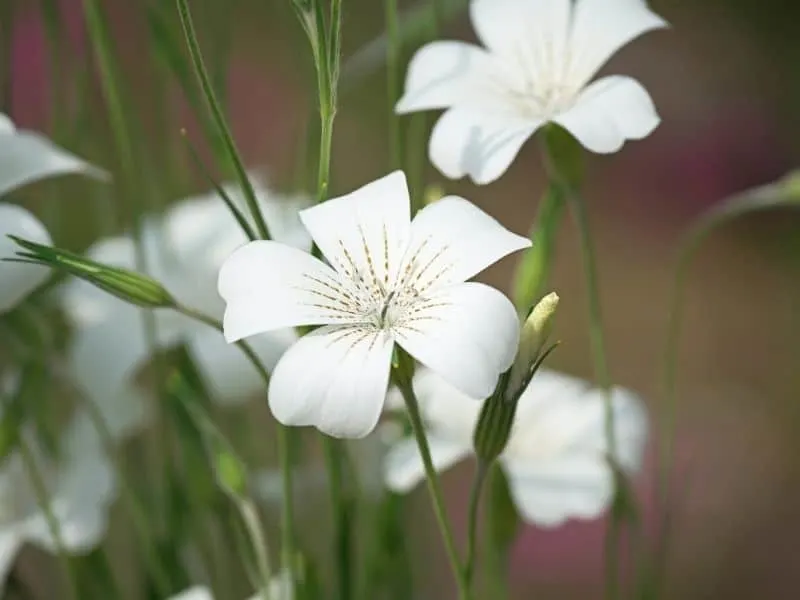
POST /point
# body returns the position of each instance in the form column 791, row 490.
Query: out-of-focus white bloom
column 555, row 460
column 81, row 486
column 26, row 157
column 539, row 58
column 388, row 281
column 184, row 251
column 279, row 589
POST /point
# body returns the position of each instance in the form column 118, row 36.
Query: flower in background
column 389, row 281
column 555, row 460
column 279, row 589
column 184, row 251
column 80, row 484
column 26, row 157
column 539, row 59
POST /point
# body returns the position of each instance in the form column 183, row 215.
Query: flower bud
column 129, row 286
column 494, row 424
column 433, row 193
column 533, row 337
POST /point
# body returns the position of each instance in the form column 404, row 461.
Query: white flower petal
column 609, row 112
column 601, row 27
column 335, row 379
column 403, row 466
column 559, row 415
column 26, row 157
column 230, row 375
column 453, row 240
column 19, row 280
column 442, row 74
column 548, row 493
column 478, row 143
column 363, row 234
column 105, row 356
column 467, row 333
column 85, row 488
column 532, row 33
column 10, row 544
column 269, row 286
column 195, row 593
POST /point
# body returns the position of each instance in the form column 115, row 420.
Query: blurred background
column 726, row 82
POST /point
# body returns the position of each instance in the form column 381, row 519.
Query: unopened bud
column 129, row 286
column 494, row 424
column 533, row 337
column 433, row 193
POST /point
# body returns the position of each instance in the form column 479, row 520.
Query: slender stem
column 284, row 446
column 403, row 379
column 254, row 528
column 472, row 520
column 42, row 498
column 341, row 506
column 598, row 347
column 393, row 80
column 219, row 118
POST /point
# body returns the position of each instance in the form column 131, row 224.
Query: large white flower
column 555, row 460
column 539, row 59
column 81, row 486
column 26, row 157
column 184, row 250
column 389, row 280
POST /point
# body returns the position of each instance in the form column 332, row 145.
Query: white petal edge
column 477, row 143
column 403, row 467
column 468, row 334
column 453, row 240
column 26, row 157
column 335, row 379
column 445, row 73
column 366, row 231
column 609, row 112
column 552, row 492
column 601, row 28
column 269, row 286
column 197, row 592
column 18, row 279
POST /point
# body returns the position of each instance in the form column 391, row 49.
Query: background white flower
column 26, row 157
column 391, row 280
column 540, row 56
column 279, row 589
column 555, row 460
column 184, row 251
column 81, row 486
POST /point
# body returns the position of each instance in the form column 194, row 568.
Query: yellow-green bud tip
column 533, row 337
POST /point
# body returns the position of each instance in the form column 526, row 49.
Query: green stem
column 472, row 520
column 283, row 442
column 219, row 118
column 42, row 498
column 393, row 80
column 341, row 505
column 598, row 347
column 254, row 528
column 403, row 378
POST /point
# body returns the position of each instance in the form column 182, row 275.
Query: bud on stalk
column 129, row 286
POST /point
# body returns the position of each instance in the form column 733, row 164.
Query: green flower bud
column 129, row 286
column 433, row 193
column 494, row 423
column 533, row 337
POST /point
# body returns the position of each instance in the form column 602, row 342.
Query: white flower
column 184, row 251
column 81, row 486
column 390, row 281
column 279, row 589
column 555, row 460
column 539, row 59
column 18, row 279
column 26, row 157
